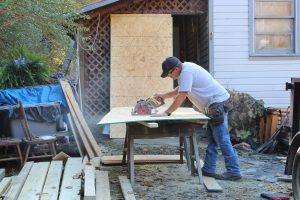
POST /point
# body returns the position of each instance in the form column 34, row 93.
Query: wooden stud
column 2, row 173
column 4, row 184
column 51, row 187
column 149, row 124
column 117, row 159
column 79, row 120
column 34, row 183
column 79, row 143
column 71, row 183
column 126, row 188
column 18, row 182
column 102, row 185
column 89, row 183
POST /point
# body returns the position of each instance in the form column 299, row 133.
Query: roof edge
column 95, row 6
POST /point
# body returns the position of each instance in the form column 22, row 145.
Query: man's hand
column 162, row 114
column 159, row 96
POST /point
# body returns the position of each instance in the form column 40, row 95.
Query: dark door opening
column 191, row 38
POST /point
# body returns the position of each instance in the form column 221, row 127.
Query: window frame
column 294, row 51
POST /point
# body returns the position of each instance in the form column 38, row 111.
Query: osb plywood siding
column 139, row 44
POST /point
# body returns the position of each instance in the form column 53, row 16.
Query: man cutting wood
column 211, row 98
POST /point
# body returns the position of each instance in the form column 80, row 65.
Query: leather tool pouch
column 228, row 104
column 215, row 113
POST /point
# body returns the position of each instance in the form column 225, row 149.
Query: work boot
column 204, row 173
column 228, row 177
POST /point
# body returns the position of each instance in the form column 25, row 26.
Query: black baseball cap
column 168, row 64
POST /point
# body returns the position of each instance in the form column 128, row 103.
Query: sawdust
column 174, row 181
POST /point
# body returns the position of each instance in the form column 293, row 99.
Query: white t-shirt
column 202, row 88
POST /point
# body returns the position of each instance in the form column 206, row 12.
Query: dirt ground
column 174, row 181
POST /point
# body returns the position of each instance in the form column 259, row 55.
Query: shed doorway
column 191, row 38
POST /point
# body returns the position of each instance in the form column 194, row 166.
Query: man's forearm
column 170, row 94
column 177, row 102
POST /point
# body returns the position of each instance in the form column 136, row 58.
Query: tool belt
column 216, row 111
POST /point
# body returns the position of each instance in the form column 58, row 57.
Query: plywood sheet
column 139, row 44
column 121, row 115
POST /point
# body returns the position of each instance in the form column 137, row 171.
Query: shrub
column 243, row 119
column 24, row 68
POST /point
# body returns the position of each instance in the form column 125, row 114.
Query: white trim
column 211, row 36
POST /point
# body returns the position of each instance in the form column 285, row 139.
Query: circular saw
column 146, row 107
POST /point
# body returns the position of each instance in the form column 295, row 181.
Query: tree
column 41, row 26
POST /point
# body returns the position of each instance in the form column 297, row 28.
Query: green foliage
column 24, row 68
column 243, row 119
column 39, row 25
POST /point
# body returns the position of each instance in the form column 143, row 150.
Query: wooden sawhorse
column 183, row 130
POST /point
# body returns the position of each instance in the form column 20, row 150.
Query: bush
column 243, row 119
column 24, row 68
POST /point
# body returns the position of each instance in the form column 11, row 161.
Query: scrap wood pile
column 63, row 178
column 76, row 179
column 274, row 130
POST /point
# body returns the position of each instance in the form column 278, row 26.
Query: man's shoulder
column 191, row 67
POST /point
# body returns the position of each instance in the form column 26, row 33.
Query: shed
column 247, row 45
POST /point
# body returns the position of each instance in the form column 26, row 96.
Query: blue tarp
column 33, row 95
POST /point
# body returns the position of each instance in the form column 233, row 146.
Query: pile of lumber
column 274, row 130
column 76, row 179
column 272, row 120
column 52, row 180
column 85, row 140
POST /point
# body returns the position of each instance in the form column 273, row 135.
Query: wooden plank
column 73, row 105
column 261, row 130
column 4, row 184
column 149, row 124
column 133, row 51
column 85, row 161
column 210, row 183
column 18, row 182
column 89, row 183
column 95, row 162
column 126, row 188
column 274, row 124
column 34, row 183
column 79, row 143
column 123, row 115
column 117, row 159
column 87, row 131
column 61, row 156
column 2, row 173
column 268, row 126
column 71, row 183
column 102, row 185
column 51, row 187
column 77, row 123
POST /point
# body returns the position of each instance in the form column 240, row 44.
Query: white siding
column 264, row 78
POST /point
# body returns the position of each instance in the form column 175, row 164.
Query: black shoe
column 204, row 173
column 227, row 177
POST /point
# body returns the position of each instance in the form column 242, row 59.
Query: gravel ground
column 174, row 181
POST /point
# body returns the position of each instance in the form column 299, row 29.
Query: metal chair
column 32, row 141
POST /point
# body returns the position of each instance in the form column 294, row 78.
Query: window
column 273, row 28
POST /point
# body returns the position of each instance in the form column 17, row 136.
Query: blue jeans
column 219, row 136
